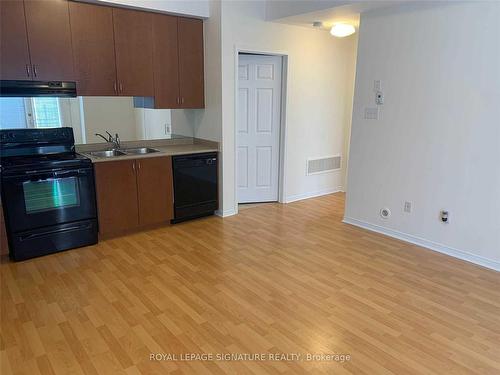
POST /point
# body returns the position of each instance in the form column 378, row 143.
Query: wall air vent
column 323, row 165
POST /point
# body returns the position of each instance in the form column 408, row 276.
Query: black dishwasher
column 195, row 186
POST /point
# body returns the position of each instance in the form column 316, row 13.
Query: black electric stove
column 48, row 192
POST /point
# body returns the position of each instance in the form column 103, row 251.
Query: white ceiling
column 305, row 12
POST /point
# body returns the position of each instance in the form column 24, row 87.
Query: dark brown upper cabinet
column 107, row 51
column 93, row 49
column 165, row 61
column 191, row 78
column 49, row 40
column 36, row 40
column 134, row 52
column 14, row 54
column 178, row 62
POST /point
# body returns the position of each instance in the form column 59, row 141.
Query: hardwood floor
column 273, row 279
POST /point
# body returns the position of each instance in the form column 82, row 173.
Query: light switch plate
column 371, row 113
column 407, row 207
column 377, row 85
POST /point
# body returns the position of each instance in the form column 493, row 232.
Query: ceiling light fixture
column 341, row 30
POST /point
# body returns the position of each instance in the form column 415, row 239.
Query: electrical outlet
column 407, row 207
column 379, row 98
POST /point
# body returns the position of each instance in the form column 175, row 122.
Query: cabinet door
column 14, row 54
column 93, row 49
column 49, row 38
column 191, row 79
column 165, row 61
column 116, row 190
column 134, row 52
column 155, row 190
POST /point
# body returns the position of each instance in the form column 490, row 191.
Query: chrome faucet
column 115, row 140
column 103, row 137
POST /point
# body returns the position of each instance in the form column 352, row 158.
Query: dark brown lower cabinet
column 133, row 194
column 155, row 190
column 116, row 190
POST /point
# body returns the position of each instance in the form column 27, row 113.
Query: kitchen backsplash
column 132, row 118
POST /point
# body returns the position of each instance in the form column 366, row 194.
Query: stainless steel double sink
column 123, row 152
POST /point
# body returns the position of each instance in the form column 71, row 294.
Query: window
column 12, row 113
column 30, row 113
column 46, row 113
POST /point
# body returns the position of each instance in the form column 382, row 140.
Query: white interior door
column 258, row 128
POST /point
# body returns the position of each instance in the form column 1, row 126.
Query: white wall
column 118, row 115
column 437, row 141
column 209, row 125
column 191, row 8
column 320, row 77
column 113, row 114
column 207, row 122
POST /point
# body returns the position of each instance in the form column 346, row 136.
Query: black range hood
column 37, row 88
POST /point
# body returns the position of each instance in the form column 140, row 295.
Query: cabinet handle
column 133, row 166
column 114, row 86
column 121, row 87
column 35, row 70
column 28, row 72
column 182, row 100
column 138, row 165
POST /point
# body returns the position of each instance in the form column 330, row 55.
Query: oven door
column 43, row 198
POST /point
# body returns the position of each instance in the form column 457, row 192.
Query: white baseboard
column 225, row 213
column 312, row 194
column 485, row 262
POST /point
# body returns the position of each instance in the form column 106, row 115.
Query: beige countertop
column 163, row 150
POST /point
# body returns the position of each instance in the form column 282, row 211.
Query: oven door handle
column 73, row 173
column 36, row 176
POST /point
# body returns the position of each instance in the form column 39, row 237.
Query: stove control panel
column 51, row 135
column 19, row 142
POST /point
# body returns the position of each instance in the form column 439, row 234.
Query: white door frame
column 284, row 101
